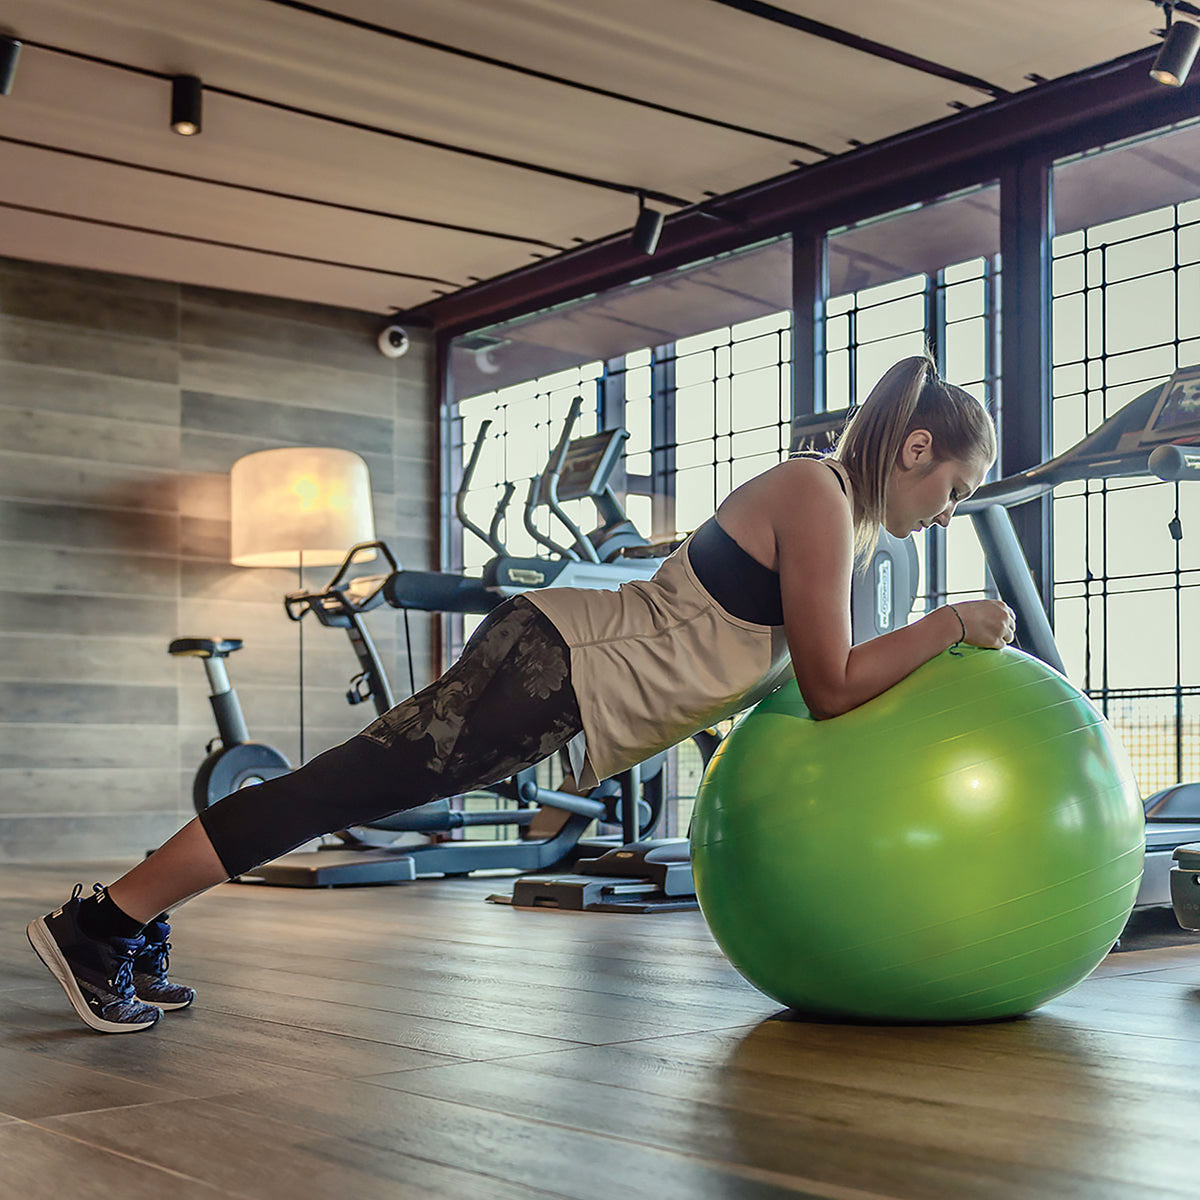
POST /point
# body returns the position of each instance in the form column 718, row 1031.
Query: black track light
column 1177, row 55
column 10, row 51
column 648, row 228
column 187, row 102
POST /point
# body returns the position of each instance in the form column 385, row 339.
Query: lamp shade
column 309, row 501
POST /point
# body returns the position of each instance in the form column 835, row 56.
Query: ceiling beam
column 1095, row 106
column 531, row 73
column 854, row 41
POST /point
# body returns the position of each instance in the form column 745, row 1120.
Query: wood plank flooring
column 416, row 1041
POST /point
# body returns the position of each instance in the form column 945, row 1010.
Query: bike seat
column 204, row 647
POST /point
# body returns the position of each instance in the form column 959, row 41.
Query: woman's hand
column 988, row 623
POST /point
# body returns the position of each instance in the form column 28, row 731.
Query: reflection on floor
column 394, row 1042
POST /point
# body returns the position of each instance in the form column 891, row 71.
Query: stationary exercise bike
column 232, row 761
column 551, row 822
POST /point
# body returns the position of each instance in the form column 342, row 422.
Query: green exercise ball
column 964, row 847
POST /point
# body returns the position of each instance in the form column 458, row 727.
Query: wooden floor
column 415, row 1041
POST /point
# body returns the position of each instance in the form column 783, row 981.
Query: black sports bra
column 735, row 579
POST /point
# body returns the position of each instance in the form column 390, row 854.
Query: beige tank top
column 655, row 661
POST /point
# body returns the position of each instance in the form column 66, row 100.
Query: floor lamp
column 297, row 507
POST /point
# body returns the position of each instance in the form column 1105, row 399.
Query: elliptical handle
column 460, row 499
column 531, row 502
column 559, row 456
column 549, row 490
column 493, row 537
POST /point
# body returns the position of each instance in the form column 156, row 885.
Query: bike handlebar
column 302, row 599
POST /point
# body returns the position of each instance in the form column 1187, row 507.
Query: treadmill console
column 1175, row 416
column 589, row 463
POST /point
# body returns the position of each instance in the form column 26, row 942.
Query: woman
column 615, row 676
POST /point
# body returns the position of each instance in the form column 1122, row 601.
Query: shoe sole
column 46, row 948
column 165, row 1006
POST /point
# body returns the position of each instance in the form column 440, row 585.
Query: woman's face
column 924, row 491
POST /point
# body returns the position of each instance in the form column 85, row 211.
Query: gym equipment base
column 593, row 893
column 1185, row 886
column 334, row 868
column 653, row 875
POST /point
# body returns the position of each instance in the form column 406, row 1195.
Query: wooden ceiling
column 378, row 154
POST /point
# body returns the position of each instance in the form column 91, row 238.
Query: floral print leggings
column 506, row 704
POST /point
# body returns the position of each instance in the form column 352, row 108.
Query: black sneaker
column 150, row 980
column 97, row 975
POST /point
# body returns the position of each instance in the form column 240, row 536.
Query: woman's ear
column 917, row 450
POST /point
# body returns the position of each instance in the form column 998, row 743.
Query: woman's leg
column 505, row 705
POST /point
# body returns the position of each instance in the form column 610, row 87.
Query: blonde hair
column 909, row 396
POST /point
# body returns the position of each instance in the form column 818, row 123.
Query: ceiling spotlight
column 10, row 51
column 1178, row 52
column 187, row 100
column 648, row 228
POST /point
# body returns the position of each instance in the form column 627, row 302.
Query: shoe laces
column 156, row 958
column 122, row 980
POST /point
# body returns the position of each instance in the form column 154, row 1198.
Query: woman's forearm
column 875, row 666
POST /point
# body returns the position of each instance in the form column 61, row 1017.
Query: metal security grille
column 1126, row 313
column 730, row 415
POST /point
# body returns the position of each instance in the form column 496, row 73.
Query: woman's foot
column 96, row 973
column 150, row 980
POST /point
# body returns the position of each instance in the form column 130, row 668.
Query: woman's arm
column 814, row 538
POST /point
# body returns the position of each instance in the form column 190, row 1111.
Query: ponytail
column 909, row 396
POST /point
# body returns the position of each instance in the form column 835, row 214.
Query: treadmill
column 1155, row 434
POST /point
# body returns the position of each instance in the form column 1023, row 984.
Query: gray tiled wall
column 123, row 404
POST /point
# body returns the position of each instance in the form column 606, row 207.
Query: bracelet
column 961, row 626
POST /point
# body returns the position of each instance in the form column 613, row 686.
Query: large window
column 695, row 365
column 1126, row 313
column 526, row 421
column 732, row 411
column 926, row 277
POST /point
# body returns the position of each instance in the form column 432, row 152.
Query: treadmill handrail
column 1041, row 481
column 1010, row 569
column 1098, row 456
column 539, row 485
column 1175, row 462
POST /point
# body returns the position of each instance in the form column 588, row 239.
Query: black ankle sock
column 101, row 918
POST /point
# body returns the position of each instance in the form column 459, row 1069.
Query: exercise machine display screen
column 589, row 463
column 1176, row 416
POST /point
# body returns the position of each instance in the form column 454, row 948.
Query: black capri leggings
column 506, row 704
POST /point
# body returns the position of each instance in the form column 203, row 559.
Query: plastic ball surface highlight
column 964, row 847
